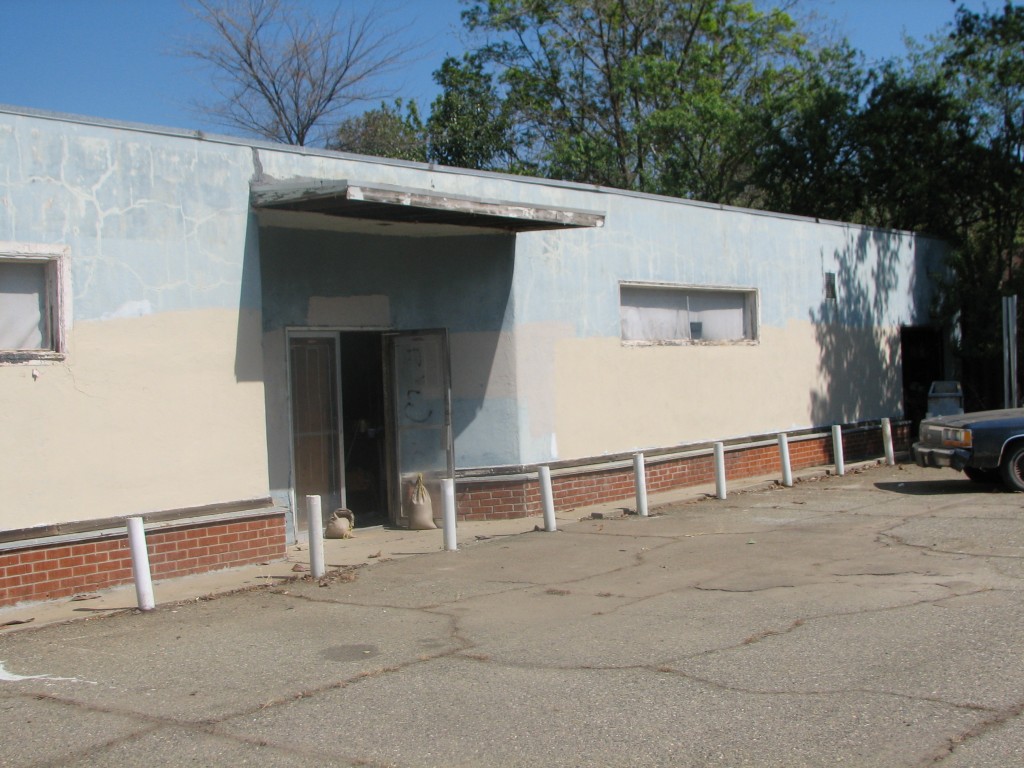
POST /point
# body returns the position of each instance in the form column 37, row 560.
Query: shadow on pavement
column 938, row 487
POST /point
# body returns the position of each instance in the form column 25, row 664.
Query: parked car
column 987, row 445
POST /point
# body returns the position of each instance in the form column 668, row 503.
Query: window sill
column 31, row 356
column 691, row 343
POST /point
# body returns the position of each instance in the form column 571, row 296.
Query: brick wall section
column 61, row 570
column 504, row 499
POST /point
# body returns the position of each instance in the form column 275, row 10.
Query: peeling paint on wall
column 180, row 395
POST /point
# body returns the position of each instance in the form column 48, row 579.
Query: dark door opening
column 922, row 352
column 363, row 427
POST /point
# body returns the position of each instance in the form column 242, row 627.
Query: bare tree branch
column 283, row 73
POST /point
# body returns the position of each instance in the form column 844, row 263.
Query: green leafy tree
column 654, row 95
column 941, row 150
column 982, row 62
column 809, row 163
column 469, row 125
column 984, row 66
column 917, row 156
column 391, row 130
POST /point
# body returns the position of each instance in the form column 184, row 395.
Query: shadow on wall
column 461, row 282
column 249, row 339
column 859, row 353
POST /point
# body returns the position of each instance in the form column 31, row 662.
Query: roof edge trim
column 349, row 198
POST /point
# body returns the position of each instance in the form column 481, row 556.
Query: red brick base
column 46, row 572
column 505, row 498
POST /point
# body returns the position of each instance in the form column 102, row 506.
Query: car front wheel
column 1012, row 468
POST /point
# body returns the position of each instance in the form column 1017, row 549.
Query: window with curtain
column 32, row 287
column 658, row 314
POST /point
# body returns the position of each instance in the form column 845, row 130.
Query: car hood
column 976, row 418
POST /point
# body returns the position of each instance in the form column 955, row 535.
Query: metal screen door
column 316, row 435
column 420, row 429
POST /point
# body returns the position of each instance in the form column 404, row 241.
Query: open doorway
column 921, row 348
column 371, row 414
column 363, row 427
column 339, row 449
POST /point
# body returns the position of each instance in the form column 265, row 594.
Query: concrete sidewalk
column 369, row 546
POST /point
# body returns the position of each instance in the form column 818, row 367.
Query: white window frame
column 55, row 260
column 751, row 319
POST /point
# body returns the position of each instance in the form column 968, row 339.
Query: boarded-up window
column 31, row 305
column 666, row 314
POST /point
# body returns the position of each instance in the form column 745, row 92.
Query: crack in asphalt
column 464, row 647
column 212, row 725
column 203, row 727
column 932, row 548
column 999, row 718
column 818, row 692
column 740, row 591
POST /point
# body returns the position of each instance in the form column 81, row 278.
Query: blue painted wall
column 160, row 224
column 460, row 283
column 573, row 277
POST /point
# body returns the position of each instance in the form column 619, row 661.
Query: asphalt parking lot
column 873, row 619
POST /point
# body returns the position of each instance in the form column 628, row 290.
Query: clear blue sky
column 113, row 58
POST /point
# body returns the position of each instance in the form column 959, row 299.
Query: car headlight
column 956, row 438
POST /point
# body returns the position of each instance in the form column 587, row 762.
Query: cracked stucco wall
column 176, row 323
column 159, row 402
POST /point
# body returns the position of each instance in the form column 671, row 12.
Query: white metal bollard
column 787, row 467
column 640, row 480
column 140, row 564
column 720, row 470
column 315, row 526
column 837, row 449
column 890, row 456
column 448, row 492
column 547, row 498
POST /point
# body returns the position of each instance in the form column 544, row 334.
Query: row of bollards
column 317, row 567
column 640, row 477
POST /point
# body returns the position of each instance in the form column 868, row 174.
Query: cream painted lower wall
column 613, row 398
column 146, row 414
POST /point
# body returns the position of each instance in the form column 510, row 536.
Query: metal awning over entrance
column 381, row 202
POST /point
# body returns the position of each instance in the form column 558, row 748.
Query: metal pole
column 1010, row 398
column 1013, row 352
column 640, row 481
column 1006, row 357
column 547, row 498
column 837, row 449
column 315, row 526
column 140, row 564
column 1014, row 401
column 787, row 468
column 890, row 456
column 448, row 492
column 720, row 470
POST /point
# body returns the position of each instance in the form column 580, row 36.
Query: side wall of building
column 158, row 402
column 815, row 361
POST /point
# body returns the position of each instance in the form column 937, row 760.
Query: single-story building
column 202, row 330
